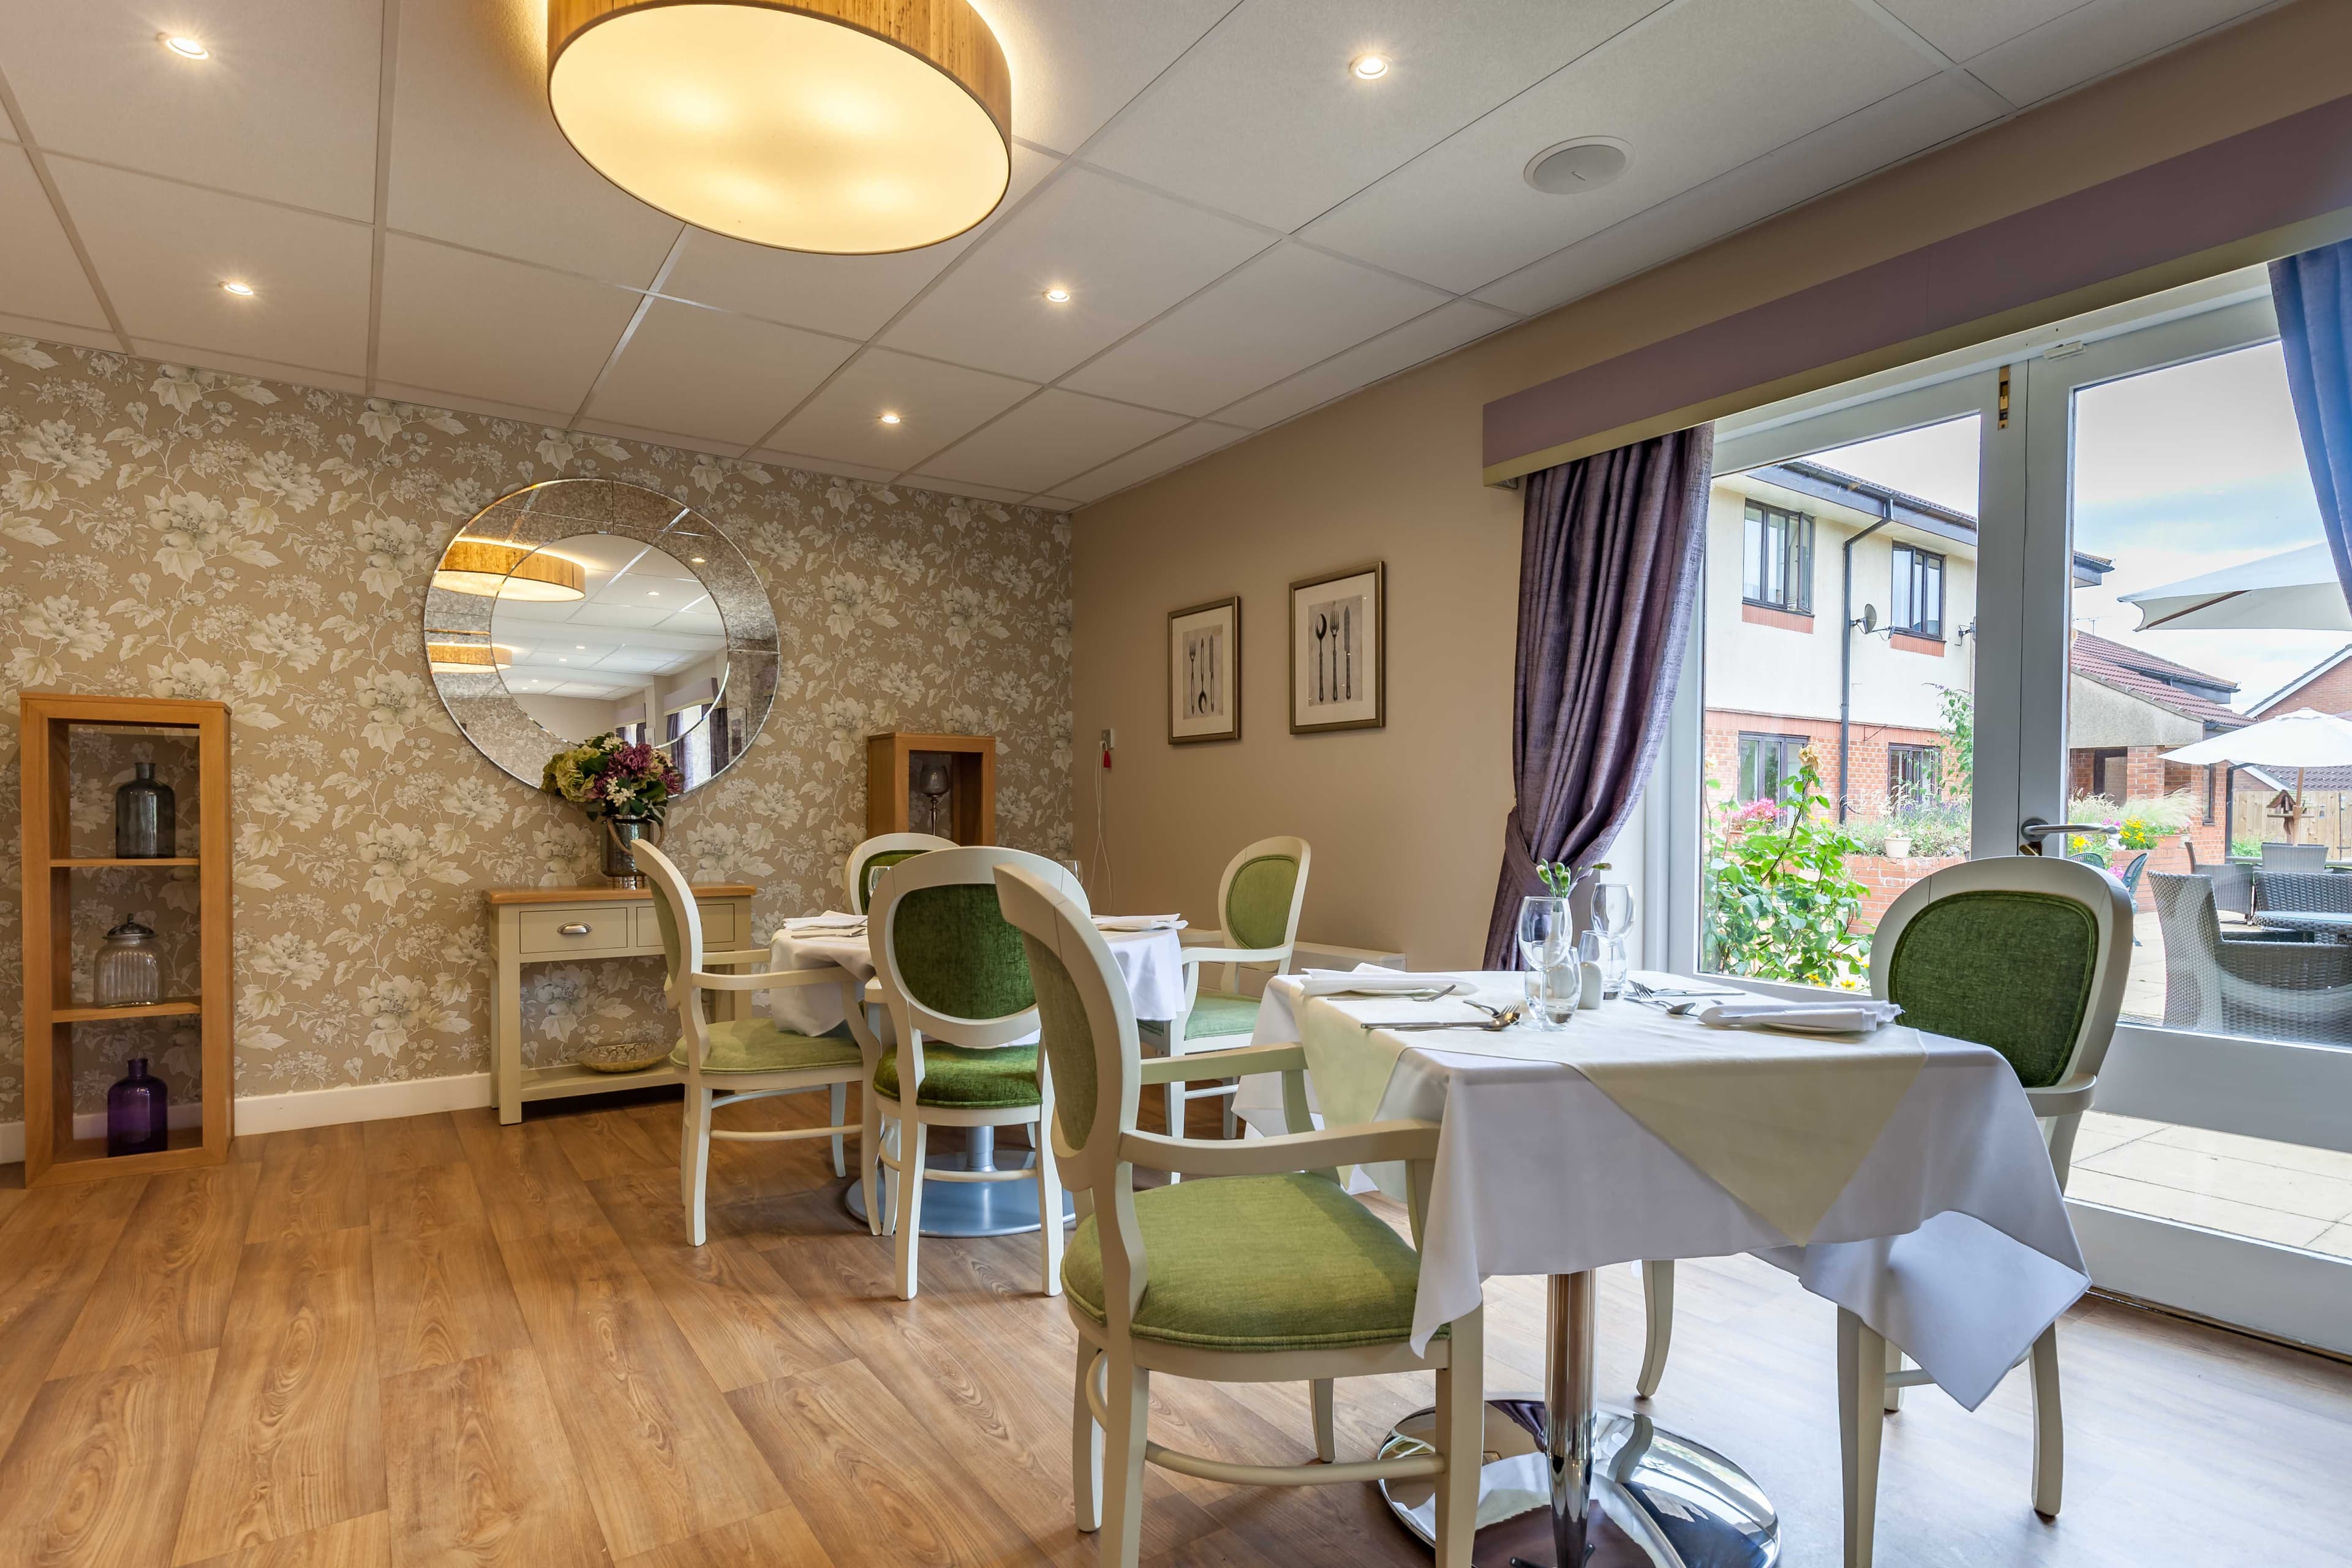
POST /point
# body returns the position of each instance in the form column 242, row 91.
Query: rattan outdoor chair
column 2270, row 984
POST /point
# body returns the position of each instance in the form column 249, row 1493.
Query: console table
column 569, row 925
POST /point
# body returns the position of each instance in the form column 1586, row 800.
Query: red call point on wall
column 1110, row 743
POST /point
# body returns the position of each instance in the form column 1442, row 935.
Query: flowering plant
column 607, row 776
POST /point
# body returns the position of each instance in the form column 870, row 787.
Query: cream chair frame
column 901, row 1156
column 691, row 977
column 1872, row 1373
column 1210, row 947
column 882, row 844
column 1109, row 1436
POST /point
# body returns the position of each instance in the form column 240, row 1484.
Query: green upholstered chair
column 956, row 982
column 728, row 1063
column 1258, row 901
column 2027, row 954
column 878, row 853
column 1269, row 1274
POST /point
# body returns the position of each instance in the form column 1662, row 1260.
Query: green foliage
column 1557, row 876
column 1779, row 899
column 2246, row 848
column 1960, row 734
column 607, row 776
column 1935, row 828
column 2140, row 822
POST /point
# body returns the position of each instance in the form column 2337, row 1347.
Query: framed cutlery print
column 1339, row 650
column 1204, row 672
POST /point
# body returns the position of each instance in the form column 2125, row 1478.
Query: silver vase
column 621, row 836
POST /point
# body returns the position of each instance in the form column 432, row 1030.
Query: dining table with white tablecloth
column 1898, row 1174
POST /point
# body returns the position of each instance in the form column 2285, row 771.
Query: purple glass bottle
column 137, row 1113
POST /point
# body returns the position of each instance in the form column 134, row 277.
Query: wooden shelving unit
column 972, row 770
column 52, row 1153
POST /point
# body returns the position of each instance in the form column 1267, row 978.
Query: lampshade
column 842, row 126
column 466, row 657
column 494, row 570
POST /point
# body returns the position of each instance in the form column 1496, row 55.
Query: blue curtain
column 2312, row 293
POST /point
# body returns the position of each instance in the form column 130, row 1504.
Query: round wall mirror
column 578, row 607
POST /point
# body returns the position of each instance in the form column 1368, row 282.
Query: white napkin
column 830, row 923
column 1139, row 922
column 1857, row 1017
column 1372, row 980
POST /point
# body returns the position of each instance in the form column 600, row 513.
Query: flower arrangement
column 607, row 776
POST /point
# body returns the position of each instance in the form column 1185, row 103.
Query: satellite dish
column 1869, row 619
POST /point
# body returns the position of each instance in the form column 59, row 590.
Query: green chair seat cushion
column 1258, row 1263
column 973, row 1079
column 1220, row 1013
column 757, row 1045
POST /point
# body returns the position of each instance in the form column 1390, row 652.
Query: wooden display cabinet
column 970, row 800
column 52, row 1153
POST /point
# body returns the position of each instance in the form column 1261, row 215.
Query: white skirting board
column 307, row 1108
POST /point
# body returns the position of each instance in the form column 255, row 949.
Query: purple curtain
column 1609, row 568
column 2312, row 293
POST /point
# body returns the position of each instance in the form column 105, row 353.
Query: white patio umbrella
column 2295, row 591
column 2305, row 738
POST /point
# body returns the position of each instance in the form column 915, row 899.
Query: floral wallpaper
column 181, row 532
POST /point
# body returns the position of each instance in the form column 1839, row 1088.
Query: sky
column 2178, row 472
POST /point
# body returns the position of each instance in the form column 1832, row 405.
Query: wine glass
column 931, row 782
column 1544, row 944
column 1612, row 916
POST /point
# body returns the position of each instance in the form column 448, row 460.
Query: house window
column 1915, row 773
column 1767, row 763
column 1778, row 563
column 1918, row 593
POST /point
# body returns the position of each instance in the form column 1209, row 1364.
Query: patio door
column 1914, row 638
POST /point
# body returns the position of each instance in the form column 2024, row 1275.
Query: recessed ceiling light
column 580, row 646
column 694, row 560
column 1058, row 296
column 1369, row 67
column 242, row 291
column 185, row 48
column 653, row 593
column 1571, row 168
column 889, row 419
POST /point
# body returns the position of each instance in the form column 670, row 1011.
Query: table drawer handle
column 577, row 928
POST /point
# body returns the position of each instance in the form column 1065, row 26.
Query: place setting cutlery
column 1497, row 1019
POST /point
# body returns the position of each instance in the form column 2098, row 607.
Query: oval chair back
column 1261, row 893
column 680, row 921
column 2025, row 954
column 949, row 964
column 878, row 853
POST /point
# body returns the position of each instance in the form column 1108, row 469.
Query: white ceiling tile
column 467, row 404
column 494, row 329
column 1893, row 129
column 1046, row 440
column 1076, row 62
column 39, row 274
column 1424, row 338
column 684, row 441
column 720, row 376
column 935, row 404
column 57, row 332
column 285, row 109
column 476, row 158
column 161, row 251
column 1265, row 117
column 851, row 295
column 1172, row 450
column 1289, row 308
column 2093, row 39
column 958, row 487
column 817, row 465
column 1124, row 254
column 1962, row 28
column 263, row 369
column 1676, row 89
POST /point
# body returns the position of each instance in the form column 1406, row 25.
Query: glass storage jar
column 129, row 971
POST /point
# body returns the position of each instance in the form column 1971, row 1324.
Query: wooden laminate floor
column 441, row 1341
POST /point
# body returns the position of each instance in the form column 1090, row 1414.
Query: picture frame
column 1339, row 650
column 1204, row 672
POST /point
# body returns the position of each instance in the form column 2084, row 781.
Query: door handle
column 2033, row 830
column 577, row 928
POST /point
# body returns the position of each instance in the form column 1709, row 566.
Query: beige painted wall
column 1407, row 822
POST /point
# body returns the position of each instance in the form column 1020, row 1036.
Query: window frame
column 1913, row 570
column 1788, row 751
column 1793, row 558
column 1902, row 752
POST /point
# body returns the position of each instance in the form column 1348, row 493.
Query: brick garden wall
column 1866, row 777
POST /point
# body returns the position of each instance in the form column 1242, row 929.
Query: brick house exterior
column 2326, row 685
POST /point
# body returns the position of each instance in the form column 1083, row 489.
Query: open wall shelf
column 52, row 1153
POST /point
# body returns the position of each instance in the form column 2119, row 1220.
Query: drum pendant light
column 851, row 127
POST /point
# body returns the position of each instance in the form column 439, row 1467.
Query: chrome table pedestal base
column 1567, row 1485
column 974, row 1208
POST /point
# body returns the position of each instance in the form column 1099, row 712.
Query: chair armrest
column 2070, row 1097
column 1285, row 1154
column 1198, row 936
column 1234, row 1062
column 771, row 979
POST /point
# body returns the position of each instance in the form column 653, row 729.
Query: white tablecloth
column 1152, row 962
column 1952, row 1237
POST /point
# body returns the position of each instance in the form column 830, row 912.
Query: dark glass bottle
column 137, row 1113
column 146, row 825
